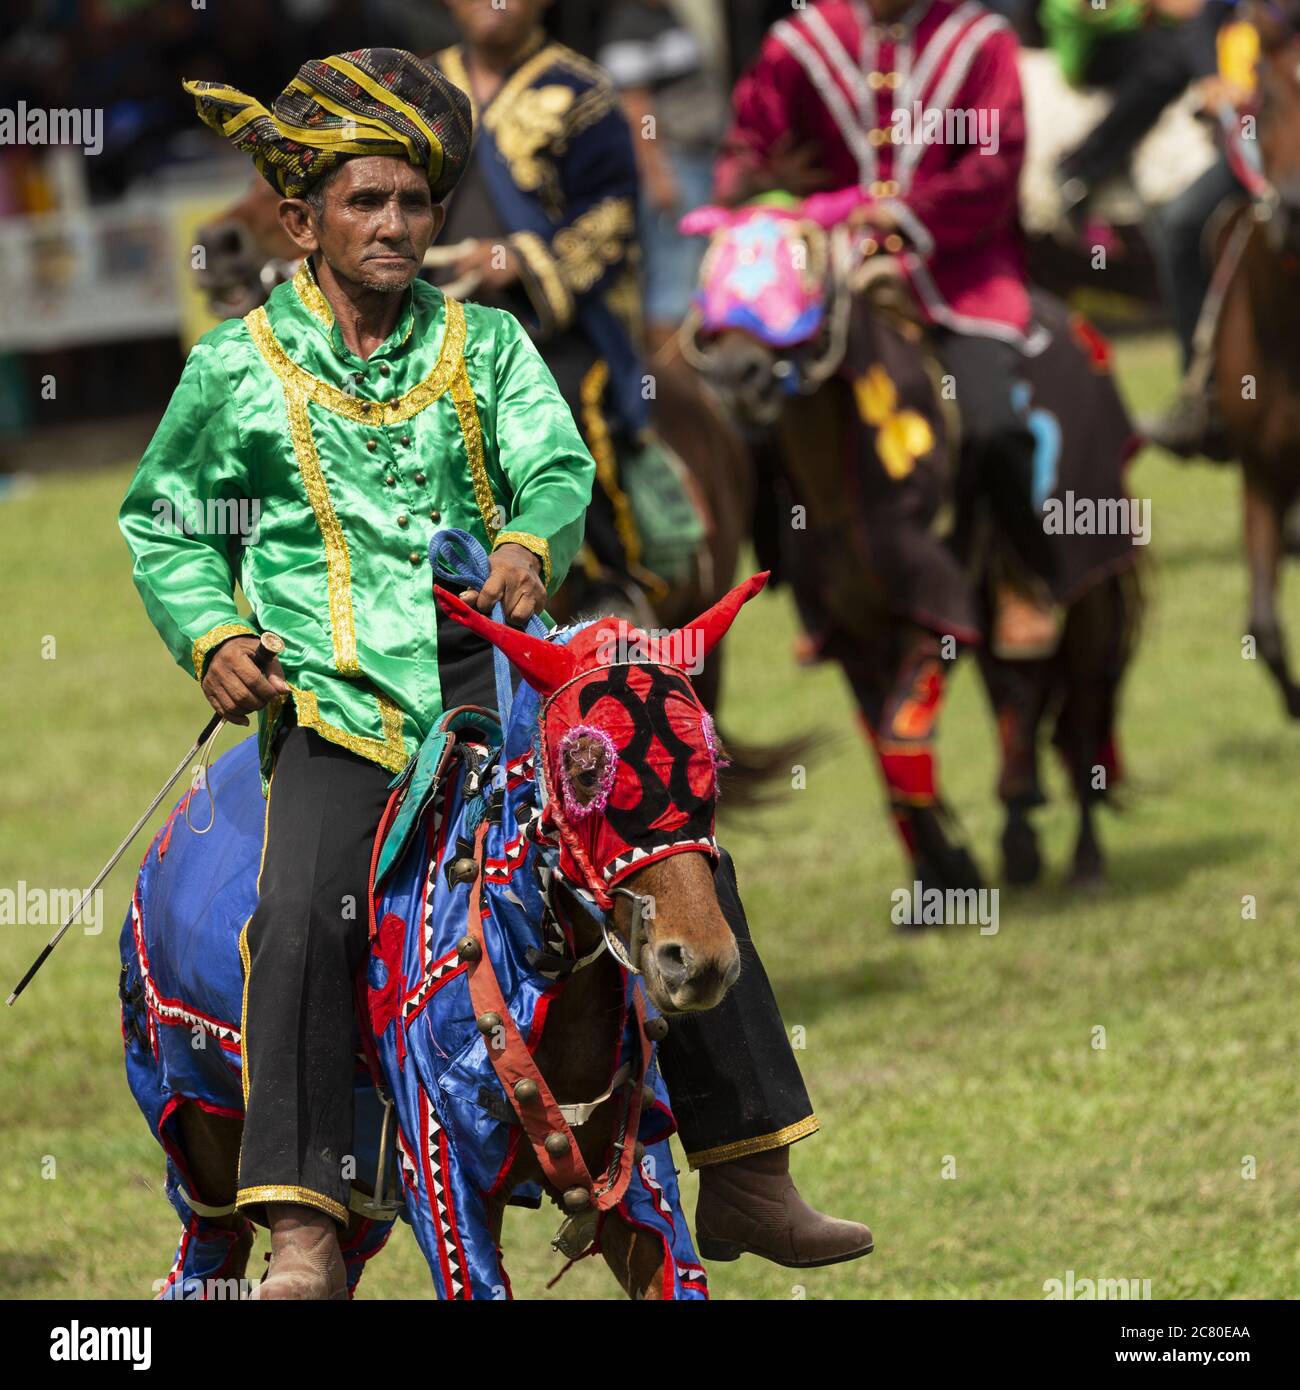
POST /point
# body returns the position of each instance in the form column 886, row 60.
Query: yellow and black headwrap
column 371, row 101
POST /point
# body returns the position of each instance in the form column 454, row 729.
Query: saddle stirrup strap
column 376, row 1207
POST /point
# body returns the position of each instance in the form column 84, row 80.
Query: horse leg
column 904, row 736
column 900, row 713
column 1089, row 665
column 1262, row 515
column 214, row 1248
column 1018, row 693
column 211, row 1146
column 635, row 1256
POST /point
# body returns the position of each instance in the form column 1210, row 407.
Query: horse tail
column 754, row 769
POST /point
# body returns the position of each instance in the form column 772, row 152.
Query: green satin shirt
column 315, row 479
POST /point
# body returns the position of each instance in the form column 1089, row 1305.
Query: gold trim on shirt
column 537, row 544
column 593, row 242
column 542, row 270
column 462, row 396
column 389, row 752
column 338, row 562
column 452, row 65
column 351, row 407
column 214, row 637
column 312, row 296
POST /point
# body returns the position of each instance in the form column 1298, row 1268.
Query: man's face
column 376, row 223
column 496, row 23
column 886, row 11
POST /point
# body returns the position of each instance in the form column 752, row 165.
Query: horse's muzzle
column 746, row 374
column 680, row 981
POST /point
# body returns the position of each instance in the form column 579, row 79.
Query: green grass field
column 967, row 1114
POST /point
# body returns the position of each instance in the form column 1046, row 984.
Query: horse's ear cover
column 713, row 623
column 546, row 666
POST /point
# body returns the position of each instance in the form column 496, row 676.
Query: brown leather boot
column 751, row 1206
column 1025, row 627
column 305, row 1258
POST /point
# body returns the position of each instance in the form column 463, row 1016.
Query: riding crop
column 269, row 647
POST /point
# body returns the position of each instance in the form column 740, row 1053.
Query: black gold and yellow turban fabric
column 374, row 101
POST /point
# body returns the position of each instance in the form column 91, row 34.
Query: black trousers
column 1180, row 250
column 302, row 945
column 997, row 445
column 733, row 1077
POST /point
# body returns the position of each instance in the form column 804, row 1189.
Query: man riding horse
column 830, row 104
column 361, row 410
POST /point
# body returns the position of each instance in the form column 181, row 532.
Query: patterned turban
column 374, row 101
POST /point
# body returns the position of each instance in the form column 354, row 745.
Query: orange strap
column 513, row 1062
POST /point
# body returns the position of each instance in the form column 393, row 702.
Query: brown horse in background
column 854, row 434
column 1258, row 341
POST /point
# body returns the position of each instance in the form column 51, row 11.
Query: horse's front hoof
column 1022, row 864
column 1087, row 876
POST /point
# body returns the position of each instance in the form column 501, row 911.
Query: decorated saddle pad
column 181, row 988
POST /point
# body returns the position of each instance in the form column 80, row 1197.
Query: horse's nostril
column 673, row 961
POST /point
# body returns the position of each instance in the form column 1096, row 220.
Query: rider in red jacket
column 907, row 114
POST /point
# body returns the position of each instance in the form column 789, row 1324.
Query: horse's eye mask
column 634, row 743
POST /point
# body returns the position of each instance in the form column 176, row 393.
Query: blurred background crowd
column 94, row 250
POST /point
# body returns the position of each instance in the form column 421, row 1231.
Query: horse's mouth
column 748, row 375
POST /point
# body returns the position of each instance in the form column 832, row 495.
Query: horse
column 1255, row 376
column 811, row 337
column 541, row 906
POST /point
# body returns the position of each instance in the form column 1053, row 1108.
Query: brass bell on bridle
column 576, row 1199
column 526, row 1091
column 488, row 1023
column 468, row 950
column 656, row 1029
column 462, row 870
column 556, row 1144
column 648, row 1097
